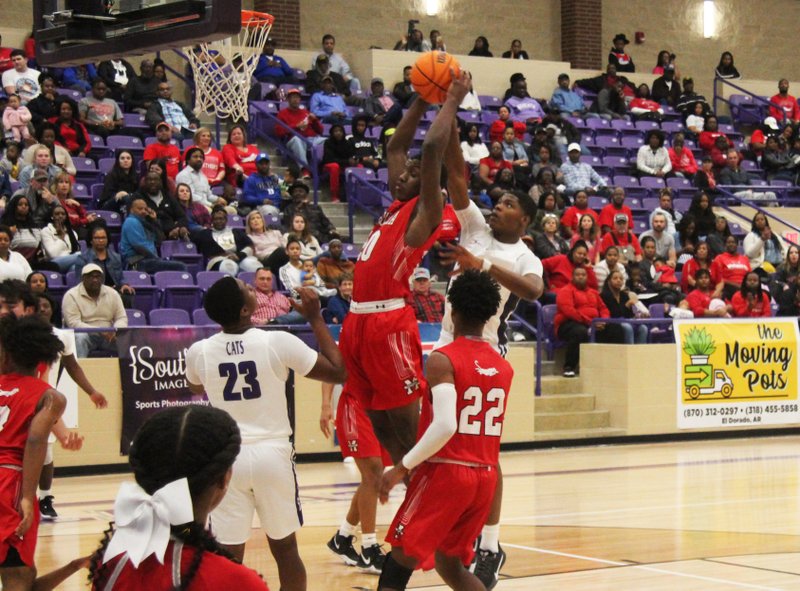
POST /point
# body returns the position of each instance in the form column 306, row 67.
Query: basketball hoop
column 223, row 69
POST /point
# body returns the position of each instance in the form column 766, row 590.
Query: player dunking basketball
column 454, row 462
column 380, row 339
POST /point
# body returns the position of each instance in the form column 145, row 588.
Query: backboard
column 71, row 32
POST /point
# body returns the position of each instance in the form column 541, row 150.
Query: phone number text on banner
column 737, row 373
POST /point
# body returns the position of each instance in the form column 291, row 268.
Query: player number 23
column 469, row 422
column 232, row 371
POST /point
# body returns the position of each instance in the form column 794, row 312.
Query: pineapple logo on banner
column 737, row 373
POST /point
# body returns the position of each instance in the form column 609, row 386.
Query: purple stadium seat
column 591, row 160
column 576, row 121
column 350, row 251
column 178, row 288
column 86, row 170
column 147, row 295
column 112, row 218
column 626, row 181
column 607, row 142
column 653, row 183
column 200, row 318
column 597, row 123
column 186, row 252
column 622, row 125
column 616, row 161
column 119, row 142
column 597, row 203
column 80, row 191
column 681, row 204
column 135, row 120
column 490, row 103
column 672, row 126
column 632, row 142
column 635, row 204
column 169, row 317
column 679, row 183
column 236, row 221
column 650, row 203
column 105, row 165
column 645, row 125
column 205, row 279
column 136, row 317
column 99, row 149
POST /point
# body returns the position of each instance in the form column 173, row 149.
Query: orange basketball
column 431, row 75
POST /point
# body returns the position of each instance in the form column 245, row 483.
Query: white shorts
column 264, row 480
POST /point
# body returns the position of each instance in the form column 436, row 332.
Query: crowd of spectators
column 243, row 217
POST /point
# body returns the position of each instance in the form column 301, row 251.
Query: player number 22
column 468, row 421
column 232, row 371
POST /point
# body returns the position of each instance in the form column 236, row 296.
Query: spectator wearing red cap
column 296, row 118
column 164, row 148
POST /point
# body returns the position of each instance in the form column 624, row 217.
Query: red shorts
column 10, row 494
column 445, row 508
column 383, row 355
column 354, row 429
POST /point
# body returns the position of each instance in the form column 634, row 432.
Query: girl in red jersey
column 29, row 408
column 161, row 519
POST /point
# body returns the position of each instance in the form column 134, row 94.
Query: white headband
column 143, row 522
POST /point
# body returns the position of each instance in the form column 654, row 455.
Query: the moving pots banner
column 738, row 372
column 152, row 367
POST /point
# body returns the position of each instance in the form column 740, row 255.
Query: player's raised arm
column 428, row 213
column 400, row 143
column 330, row 363
column 51, row 407
column 455, row 165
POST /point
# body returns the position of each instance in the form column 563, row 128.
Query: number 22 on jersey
column 249, row 373
column 468, row 421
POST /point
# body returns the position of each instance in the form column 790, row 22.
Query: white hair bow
column 143, row 522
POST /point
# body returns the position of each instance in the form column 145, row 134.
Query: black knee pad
column 394, row 575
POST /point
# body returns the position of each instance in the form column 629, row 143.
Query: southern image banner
column 737, row 372
column 153, row 373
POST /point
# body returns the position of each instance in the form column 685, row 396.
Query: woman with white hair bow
column 182, row 460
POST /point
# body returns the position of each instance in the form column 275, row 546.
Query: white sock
column 368, row 540
column 490, row 538
column 346, row 529
column 44, row 493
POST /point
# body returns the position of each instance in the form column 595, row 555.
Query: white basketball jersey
column 245, row 375
column 477, row 238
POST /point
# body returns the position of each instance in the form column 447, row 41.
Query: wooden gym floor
column 716, row 515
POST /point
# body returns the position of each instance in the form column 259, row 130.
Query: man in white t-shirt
column 21, row 79
column 495, row 246
column 243, row 370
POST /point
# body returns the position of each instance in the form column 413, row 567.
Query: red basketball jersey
column 483, row 382
column 19, row 396
column 386, row 261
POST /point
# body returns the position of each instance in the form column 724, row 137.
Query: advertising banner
column 738, row 372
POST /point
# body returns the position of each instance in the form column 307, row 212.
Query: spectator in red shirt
column 164, row 148
column 577, row 305
column 572, row 216
column 704, row 301
column 784, row 104
column 494, row 162
column 617, row 206
column 701, row 260
column 708, row 137
column 751, row 301
column 623, row 239
column 498, row 127
column 428, row 305
column 729, row 268
column 558, row 270
column 5, row 57
column 70, row 132
column 302, row 121
column 239, row 156
column 682, row 159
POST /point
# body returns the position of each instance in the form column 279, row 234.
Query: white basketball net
column 223, row 69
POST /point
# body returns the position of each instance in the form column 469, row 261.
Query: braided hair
column 206, row 442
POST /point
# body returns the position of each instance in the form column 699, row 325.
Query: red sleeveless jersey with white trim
column 19, row 396
column 483, row 382
column 386, row 261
